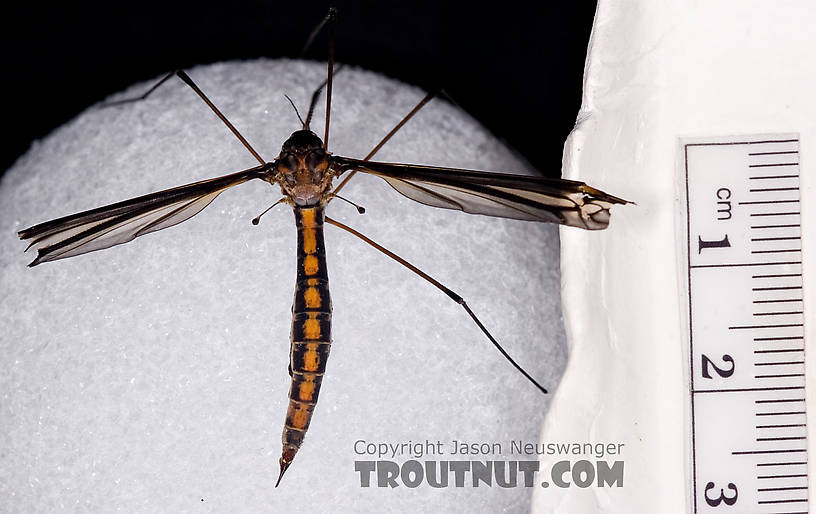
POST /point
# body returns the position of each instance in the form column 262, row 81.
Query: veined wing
column 567, row 202
column 121, row 222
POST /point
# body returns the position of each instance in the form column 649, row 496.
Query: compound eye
column 287, row 166
column 316, row 159
column 291, row 163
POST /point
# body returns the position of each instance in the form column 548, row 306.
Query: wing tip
column 597, row 194
column 42, row 256
column 26, row 233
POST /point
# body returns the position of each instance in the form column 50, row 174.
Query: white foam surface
column 658, row 71
column 152, row 376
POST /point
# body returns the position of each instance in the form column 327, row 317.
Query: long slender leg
column 142, row 96
column 332, row 21
column 313, row 35
column 388, row 136
column 316, row 96
column 187, row 80
column 452, row 295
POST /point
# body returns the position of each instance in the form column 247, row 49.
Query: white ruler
column 746, row 325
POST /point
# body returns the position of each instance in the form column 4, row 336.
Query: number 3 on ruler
column 714, row 502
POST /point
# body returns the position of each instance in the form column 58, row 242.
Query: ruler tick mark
column 798, row 500
column 796, row 140
column 787, row 250
column 773, row 165
column 788, row 238
column 769, row 189
column 769, row 177
column 791, row 225
column 749, row 327
column 769, row 452
column 767, row 202
column 791, row 213
column 773, row 153
column 803, row 475
column 764, row 489
column 746, row 389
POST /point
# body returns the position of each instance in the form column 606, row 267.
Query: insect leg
column 315, row 32
column 187, row 80
column 142, row 96
column 316, row 96
column 388, row 136
column 452, row 295
column 331, row 19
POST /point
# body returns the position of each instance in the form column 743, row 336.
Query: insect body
column 305, row 171
column 311, row 330
column 305, row 175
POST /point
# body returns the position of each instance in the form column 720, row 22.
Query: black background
column 516, row 68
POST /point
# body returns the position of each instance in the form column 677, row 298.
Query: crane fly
column 305, row 170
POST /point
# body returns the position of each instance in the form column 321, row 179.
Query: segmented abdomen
column 311, row 330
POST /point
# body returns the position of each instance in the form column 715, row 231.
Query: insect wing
column 503, row 195
column 121, row 222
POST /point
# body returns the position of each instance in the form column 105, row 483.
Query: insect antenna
column 257, row 219
column 452, row 295
column 304, row 123
column 388, row 136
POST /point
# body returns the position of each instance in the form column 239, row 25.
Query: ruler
column 746, row 325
